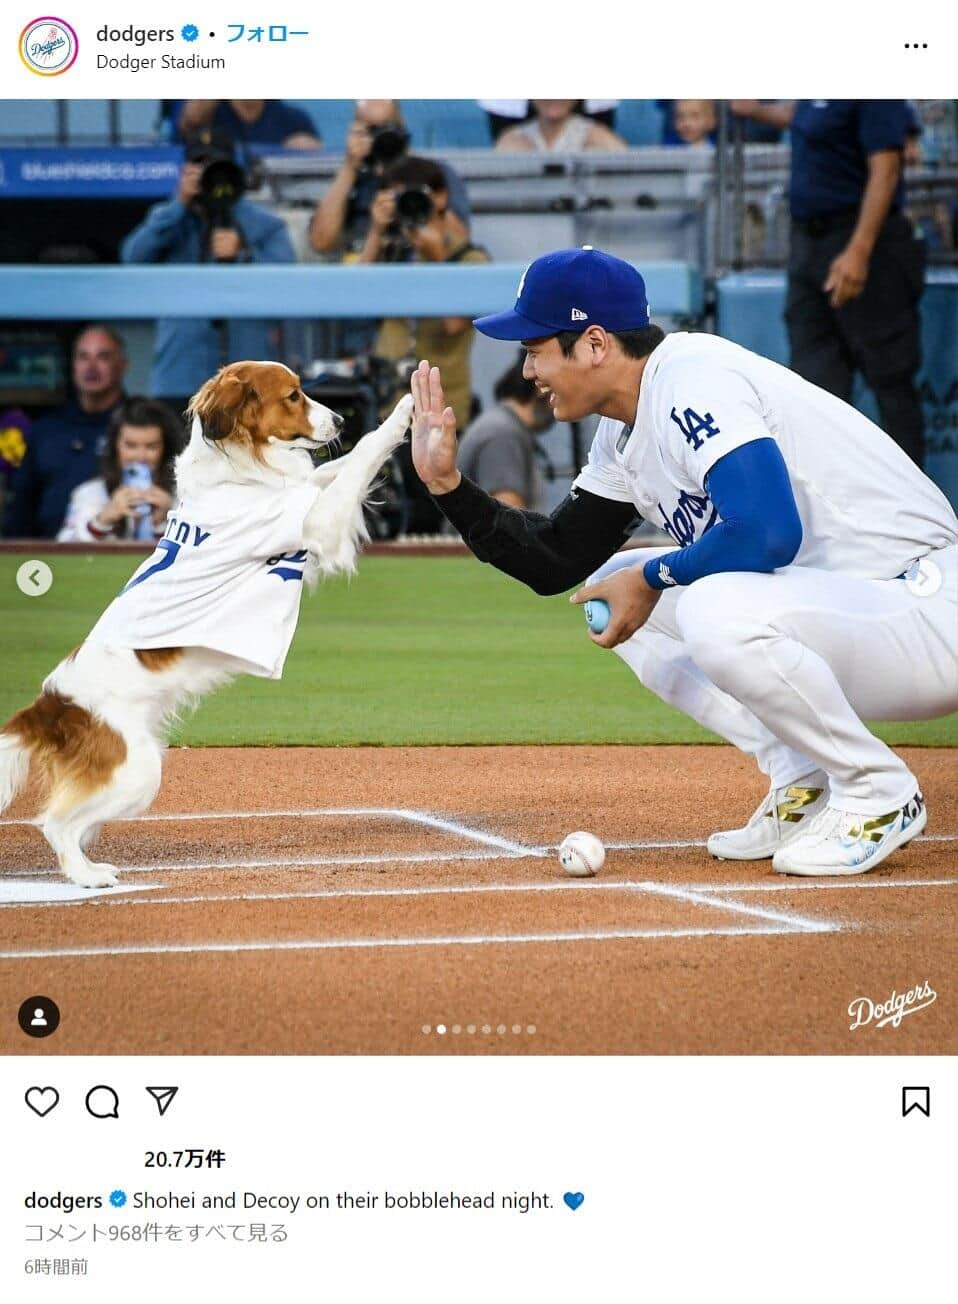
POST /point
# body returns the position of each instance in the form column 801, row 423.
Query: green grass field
column 415, row 650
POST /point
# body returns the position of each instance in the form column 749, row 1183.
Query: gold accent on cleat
column 872, row 830
column 798, row 798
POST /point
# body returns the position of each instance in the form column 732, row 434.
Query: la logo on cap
column 579, row 315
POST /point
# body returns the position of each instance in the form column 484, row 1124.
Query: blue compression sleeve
column 759, row 527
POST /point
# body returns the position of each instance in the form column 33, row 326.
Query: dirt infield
column 359, row 900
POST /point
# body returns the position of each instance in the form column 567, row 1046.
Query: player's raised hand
column 433, row 432
column 631, row 602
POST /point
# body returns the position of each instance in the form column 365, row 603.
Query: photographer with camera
column 209, row 221
column 411, row 221
column 377, row 139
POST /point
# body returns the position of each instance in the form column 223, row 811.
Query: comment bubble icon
column 103, row 1102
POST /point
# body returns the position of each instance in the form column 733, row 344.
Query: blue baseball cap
column 571, row 290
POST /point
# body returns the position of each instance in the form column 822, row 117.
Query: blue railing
column 303, row 290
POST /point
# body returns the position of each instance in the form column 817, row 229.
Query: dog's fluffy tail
column 14, row 766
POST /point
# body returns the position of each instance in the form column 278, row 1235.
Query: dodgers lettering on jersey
column 688, row 519
column 227, row 575
column 866, row 508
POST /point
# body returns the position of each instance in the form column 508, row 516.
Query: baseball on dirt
column 581, row 854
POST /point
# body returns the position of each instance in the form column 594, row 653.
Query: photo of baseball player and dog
column 480, row 577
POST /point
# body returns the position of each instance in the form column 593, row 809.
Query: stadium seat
column 29, row 122
column 447, row 124
column 434, row 124
column 88, row 122
column 639, row 122
column 332, row 119
column 139, row 121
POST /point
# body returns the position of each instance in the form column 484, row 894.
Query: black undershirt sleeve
column 549, row 553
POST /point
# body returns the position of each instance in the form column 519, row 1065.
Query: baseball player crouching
column 813, row 581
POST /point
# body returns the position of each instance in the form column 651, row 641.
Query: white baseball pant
column 787, row 665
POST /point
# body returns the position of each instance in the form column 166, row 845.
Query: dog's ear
column 220, row 405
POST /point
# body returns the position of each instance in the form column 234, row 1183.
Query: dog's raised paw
column 403, row 410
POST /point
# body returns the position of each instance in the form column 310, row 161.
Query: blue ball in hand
column 597, row 615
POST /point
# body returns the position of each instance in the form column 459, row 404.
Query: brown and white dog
column 96, row 733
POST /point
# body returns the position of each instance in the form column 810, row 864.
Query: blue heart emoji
column 573, row 1199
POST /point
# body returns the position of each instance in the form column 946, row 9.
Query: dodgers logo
column 48, row 46
column 287, row 572
column 680, row 524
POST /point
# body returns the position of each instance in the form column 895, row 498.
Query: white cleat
column 840, row 842
column 781, row 816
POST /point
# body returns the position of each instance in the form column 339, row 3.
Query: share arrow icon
column 163, row 1096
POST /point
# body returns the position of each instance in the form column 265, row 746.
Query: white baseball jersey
column 227, row 575
column 866, row 508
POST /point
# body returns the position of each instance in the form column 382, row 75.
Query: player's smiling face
column 568, row 383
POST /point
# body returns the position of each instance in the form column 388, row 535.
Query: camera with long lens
column 222, row 181
column 414, row 206
column 389, row 142
column 222, row 184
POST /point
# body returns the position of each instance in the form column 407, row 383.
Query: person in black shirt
column 856, row 269
column 251, row 122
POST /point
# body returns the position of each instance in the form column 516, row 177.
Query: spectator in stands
column 64, row 445
column 503, row 114
column 411, row 212
column 253, row 122
column 192, row 228
column 856, row 270
column 556, row 127
column 142, row 431
column 753, row 132
column 499, row 452
column 694, row 121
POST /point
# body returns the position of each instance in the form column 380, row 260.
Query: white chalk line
column 507, row 849
column 517, row 850
column 386, row 943
column 115, row 896
column 304, row 862
column 423, row 818
column 798, row 922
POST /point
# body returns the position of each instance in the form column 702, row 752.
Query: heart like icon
column 42, row 1099
column 573, row 1199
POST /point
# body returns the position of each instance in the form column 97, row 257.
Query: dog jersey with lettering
column 227, row 575
column 866, row 508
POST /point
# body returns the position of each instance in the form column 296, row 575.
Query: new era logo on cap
column 572, row 289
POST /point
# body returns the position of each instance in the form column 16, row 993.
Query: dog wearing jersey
column 253, row 521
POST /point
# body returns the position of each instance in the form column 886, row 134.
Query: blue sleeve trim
column 759, row 528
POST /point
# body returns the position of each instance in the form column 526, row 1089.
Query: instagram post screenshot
column 478, row 653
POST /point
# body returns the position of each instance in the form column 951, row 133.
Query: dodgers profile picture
column 48, row 46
